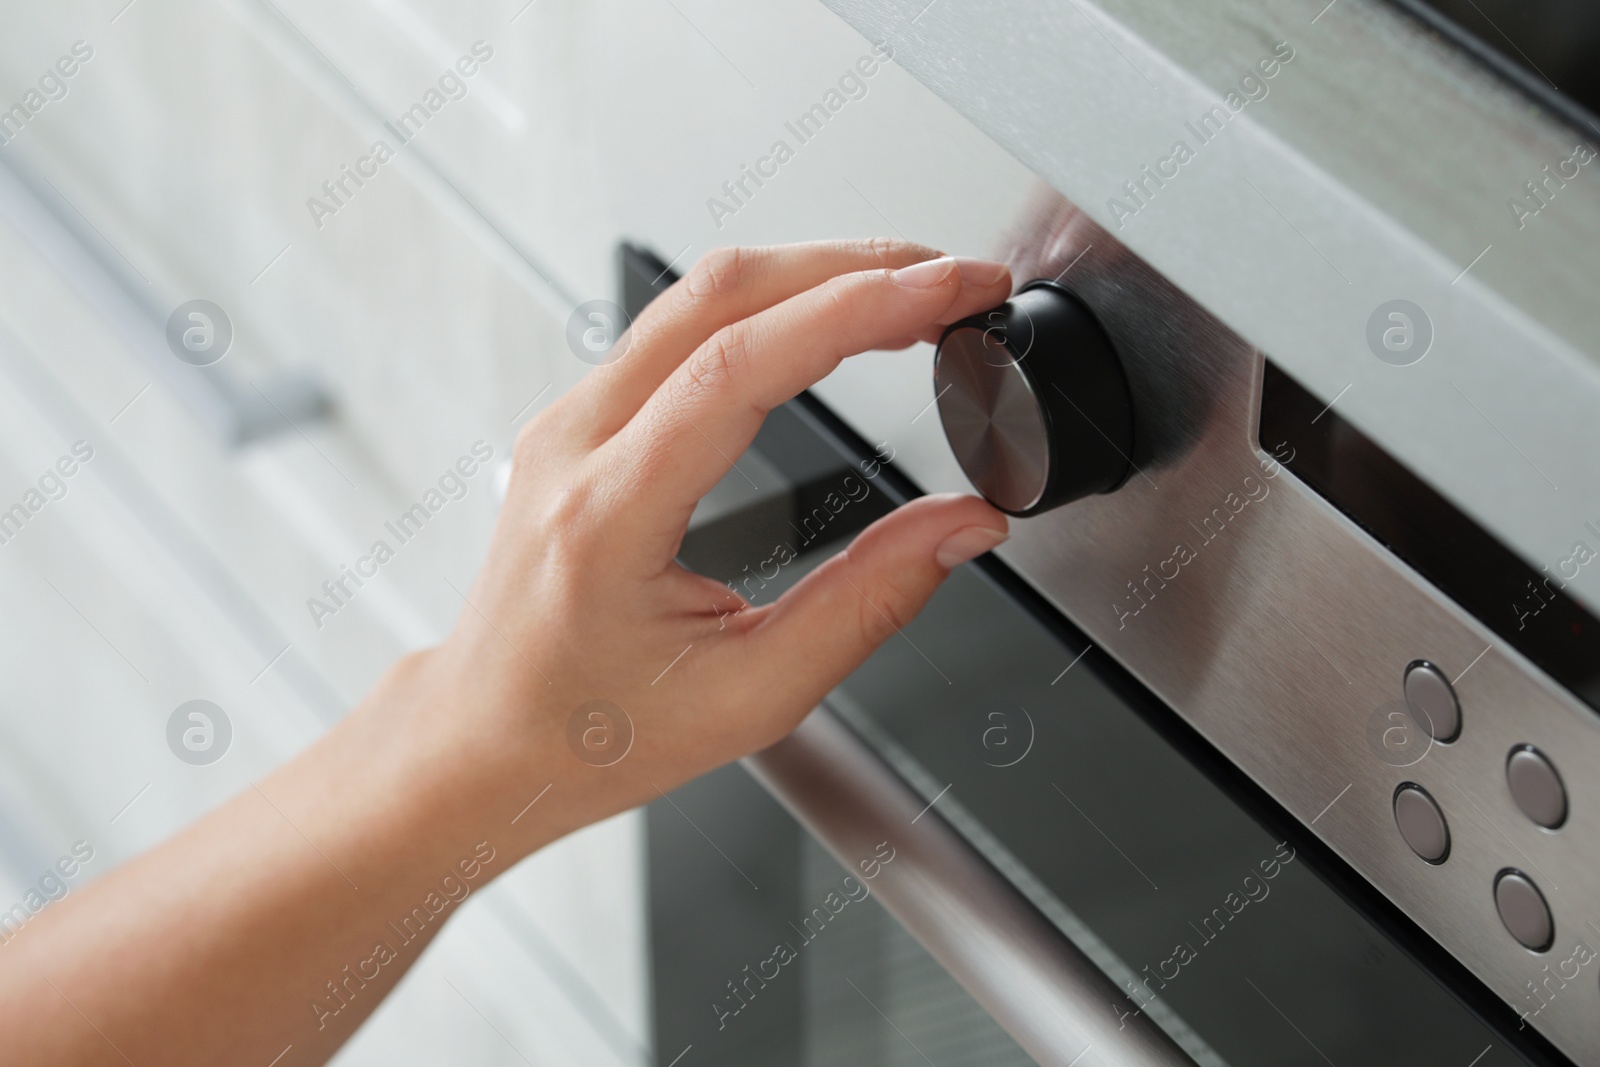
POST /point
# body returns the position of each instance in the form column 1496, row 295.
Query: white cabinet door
column 172, row 566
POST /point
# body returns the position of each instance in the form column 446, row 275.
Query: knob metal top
column 1034, row 401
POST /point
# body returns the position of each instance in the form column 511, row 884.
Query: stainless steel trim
column 1037, row 984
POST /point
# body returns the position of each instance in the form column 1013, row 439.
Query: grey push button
column 1523, row 910
column 1536, row 787
column 1421, row 823
column 1430, row 696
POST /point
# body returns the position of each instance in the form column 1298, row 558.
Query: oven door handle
column 1038, row 985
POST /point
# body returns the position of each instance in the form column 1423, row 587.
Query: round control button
column 1430, row 695
column 1523, row 910
column 1536, row 787
column 1034, row 401
column 1421, row 823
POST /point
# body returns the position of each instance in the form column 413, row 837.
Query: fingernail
column 924, row 275
column 980, row 271
column 969, row 542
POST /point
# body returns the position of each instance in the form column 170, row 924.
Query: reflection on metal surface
column 1111, row 798
column 993, row 419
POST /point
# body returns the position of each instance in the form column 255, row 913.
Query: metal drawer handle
column 235, row 410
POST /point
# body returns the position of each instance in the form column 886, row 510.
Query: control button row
column 1536, row 788
column 1521, row 906
column 1535, row 783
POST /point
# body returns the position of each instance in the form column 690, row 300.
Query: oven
column 996, row 843
column 1321, row 612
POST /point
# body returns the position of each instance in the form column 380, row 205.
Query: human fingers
column 724, row 286
column 688, row 433
column 827, row 625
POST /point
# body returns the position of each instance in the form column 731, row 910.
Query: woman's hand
column 587, row 659
column 280, row 920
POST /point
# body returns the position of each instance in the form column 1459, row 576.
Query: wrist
column 458, row 768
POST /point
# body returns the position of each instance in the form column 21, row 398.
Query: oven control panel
column 1413, row 692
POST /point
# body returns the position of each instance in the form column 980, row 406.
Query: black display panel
column 1550, row 49
column 1523, row 605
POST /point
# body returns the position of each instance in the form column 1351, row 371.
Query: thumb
column 826, row 626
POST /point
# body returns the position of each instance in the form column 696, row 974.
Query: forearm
column 587, row 664
column 282, row 918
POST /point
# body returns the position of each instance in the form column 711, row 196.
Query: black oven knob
column 1034, row 401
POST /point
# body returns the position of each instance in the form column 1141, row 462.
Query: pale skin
column 214, row 946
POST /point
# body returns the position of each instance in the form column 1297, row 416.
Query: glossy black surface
column 1524, row 605
column 1548, row 48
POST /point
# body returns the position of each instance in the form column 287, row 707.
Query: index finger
column 687, row 435
column 724, row 286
